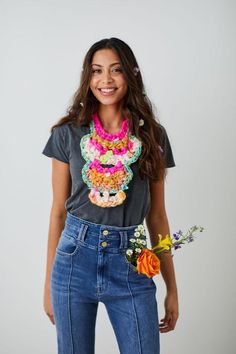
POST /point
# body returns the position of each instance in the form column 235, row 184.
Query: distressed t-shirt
column 64, row 144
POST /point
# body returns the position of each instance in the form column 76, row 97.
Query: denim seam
column 123, row 239
column 82, row 232
column 69, row 308
column 65, row 254
column 87, row 245
column 134, row 309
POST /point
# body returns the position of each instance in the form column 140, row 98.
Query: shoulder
column 166, row 146
column 70, row 130
column 162, row 131
column 162, row 134
column 60, row 130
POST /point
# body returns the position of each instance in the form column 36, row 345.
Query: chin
column 108, row 102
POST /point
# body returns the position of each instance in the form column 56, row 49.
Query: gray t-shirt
column 64, row 145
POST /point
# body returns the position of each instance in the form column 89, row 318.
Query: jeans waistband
column 102, row 231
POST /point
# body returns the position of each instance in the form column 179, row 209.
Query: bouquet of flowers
column 146, row 260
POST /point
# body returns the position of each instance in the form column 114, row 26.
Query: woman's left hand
column 171, row 312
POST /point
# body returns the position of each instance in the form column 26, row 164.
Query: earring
column 81, row 103
column 141, row 122
column 136, row 70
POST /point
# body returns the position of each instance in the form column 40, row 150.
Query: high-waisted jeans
column 89, row 266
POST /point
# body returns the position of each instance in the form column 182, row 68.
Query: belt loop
column 123, row 239
column 82, row 232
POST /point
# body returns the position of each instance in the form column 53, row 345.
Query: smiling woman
column 108, row 80
column 110, row 158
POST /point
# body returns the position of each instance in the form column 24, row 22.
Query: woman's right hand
column 48, row 304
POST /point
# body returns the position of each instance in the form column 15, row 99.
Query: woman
column 110, row 159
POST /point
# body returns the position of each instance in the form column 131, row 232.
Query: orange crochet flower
column 114, row 181
column 148, row 263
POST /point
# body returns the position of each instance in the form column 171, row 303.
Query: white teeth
column 107, row 90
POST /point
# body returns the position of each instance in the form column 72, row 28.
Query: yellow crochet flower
column 164, row 243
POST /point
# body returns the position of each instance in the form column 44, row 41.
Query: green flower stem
column 188, row 234
column 162, row 250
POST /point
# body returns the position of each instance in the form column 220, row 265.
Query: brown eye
column 118, row 69
column 95, row 70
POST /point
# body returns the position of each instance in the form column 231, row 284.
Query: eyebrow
column 109, row 65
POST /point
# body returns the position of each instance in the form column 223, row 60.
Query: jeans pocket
column 69, row 244
column 136, row 277
column 131, row 266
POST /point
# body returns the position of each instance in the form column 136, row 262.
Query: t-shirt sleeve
column 166, row 149
column 57, row 145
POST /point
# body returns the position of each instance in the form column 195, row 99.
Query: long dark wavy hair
column 136, row 105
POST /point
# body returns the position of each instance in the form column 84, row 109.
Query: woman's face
column 106, row 73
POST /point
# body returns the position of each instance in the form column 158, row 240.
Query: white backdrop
column 186, row 52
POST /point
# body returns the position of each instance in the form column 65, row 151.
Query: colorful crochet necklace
column 108, row 156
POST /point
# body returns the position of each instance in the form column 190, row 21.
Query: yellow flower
column 164, row 243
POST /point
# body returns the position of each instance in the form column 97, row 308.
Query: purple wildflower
column 176, row 236
column 176, row 246
column 190, row 239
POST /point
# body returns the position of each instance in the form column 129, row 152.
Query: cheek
column 124, row 85
column 93, row 86
column 124, row 89
column 93, row 82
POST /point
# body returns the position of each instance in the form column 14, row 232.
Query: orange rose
column 148, row 263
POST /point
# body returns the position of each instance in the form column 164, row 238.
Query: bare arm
column 157, row 222
column 61, row 186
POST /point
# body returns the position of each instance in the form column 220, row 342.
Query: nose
column 106, row 76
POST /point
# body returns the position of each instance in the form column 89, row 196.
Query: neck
column 111, row 118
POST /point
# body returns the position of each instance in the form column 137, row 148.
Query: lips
column 107, row 89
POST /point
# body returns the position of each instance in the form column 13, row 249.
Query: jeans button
column 105, row 232
column 104, row 244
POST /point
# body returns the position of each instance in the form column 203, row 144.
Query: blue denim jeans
column 89, row 266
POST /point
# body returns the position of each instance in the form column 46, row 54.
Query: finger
column 167, row 322
column 169, row 327
column 51, row 317
column 164, row 324
column 166, row 329
column 167, row 317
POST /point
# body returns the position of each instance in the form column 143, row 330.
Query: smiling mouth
column 107, row 90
